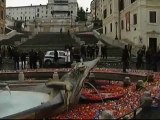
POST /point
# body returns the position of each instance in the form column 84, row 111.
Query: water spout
column 6, row 86
column 95, row 90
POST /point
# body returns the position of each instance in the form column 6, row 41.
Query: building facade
column 136, row 21
column 96, row 7
column 2, row 16
column 54, row 9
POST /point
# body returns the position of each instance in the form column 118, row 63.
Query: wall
column 140, row 33
column 2, row 17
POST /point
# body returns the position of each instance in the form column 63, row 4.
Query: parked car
column 49, row 58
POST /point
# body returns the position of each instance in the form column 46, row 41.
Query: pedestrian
column 55, row 56
column 68, row 58
column 35, row 59
column 16, row 59
column 31, row 58
column 23, row 60
column 148, row 59
column 40, row 58
column 140, row 55
column 1, row 61
column 125, row 58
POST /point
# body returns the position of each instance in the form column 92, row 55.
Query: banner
column 127, row 16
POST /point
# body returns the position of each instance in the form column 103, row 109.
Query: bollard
column 92, row 76
column 140, row 84
column 55, row 76
column 106, row 114
column 21, row 76
column 126, row 82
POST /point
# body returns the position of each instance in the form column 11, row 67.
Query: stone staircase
column 49, row 41
column 16, row 39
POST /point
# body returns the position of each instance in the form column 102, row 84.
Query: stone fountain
column 71, row 83
column 65, row 92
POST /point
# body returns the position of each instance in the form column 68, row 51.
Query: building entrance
column 153, row 44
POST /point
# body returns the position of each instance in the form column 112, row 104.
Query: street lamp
column 25, row 24
column 71, row 18
column 95, row 9
column 86, row 16
column 99, row 44
column 116, row 23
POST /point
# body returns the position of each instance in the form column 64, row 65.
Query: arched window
column 2, row 14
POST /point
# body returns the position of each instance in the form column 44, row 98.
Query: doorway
column 153, row 44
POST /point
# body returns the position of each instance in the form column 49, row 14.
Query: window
column 37, row 9
column 132, row 1
column 122, row 24
column 51, row 53
column 110, row 8
column 152, row 15
column 105, row 13
column 38, row 15
column 110, row 27
column 105, row 29
column 61, row 53
column 134, row 19
column 121, row 5
column 2, row 15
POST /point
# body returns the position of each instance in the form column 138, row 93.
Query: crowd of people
column 91, row 51
column 146, row 58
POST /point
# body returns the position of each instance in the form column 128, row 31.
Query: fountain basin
column 20, row 101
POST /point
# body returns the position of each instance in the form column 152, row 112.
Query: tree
column 81, row 15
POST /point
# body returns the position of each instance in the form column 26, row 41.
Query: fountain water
column 95, row 90
column 20, row 101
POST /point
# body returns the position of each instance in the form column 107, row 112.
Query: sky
column 12, row 3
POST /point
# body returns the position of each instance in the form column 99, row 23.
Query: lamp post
column 116, row 23
column 86, row 16
column 25, row 24
column 95, row 9
column 99, row 44
column 71, row 18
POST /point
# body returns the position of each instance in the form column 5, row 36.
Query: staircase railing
column 8, row 36
column 117, row 43
column 108, row 40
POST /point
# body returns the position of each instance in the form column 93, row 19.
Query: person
column 35, row 59
column 23, row 60
column 31, row 57
column 55, row 56
column 61, row 31
column 0, row 61
column 140, row 54
column 104, row 52
column 155, row 61
column 40, row 58
column 68, row 58
column 125, row 58
column 16, row 59
column 148, row 59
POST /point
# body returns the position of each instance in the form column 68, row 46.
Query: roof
column 28, row 6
